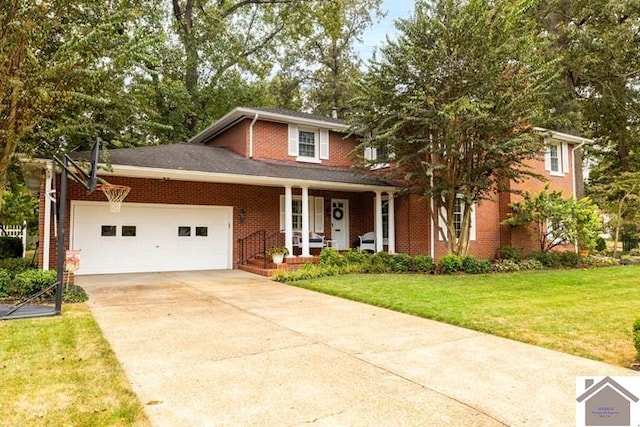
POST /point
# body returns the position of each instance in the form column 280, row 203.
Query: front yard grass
column 588, row 313
column 61, row 371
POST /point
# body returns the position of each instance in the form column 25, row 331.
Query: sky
column 375, row 36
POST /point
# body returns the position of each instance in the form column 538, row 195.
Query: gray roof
column 207, row 159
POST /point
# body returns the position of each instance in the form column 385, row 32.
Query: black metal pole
column 62, row 219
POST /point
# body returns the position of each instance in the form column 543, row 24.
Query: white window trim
column 321, row 144
column 443, row 224
column 563, row 158
column 316, row 213
column 371, row 154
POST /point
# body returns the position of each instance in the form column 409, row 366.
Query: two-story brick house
column 264, row 174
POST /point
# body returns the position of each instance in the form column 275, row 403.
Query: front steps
column 257, row 266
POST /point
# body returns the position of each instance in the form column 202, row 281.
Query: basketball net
column 115, row 194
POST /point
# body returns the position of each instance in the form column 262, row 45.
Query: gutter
column 253, row 122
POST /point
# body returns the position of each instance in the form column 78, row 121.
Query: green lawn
column 60, row 371
column 588, row 313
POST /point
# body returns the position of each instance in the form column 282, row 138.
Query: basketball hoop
column 115, row 194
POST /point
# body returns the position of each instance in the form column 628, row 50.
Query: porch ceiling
column 195, row 162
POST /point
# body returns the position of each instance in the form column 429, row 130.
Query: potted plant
column 277, row 254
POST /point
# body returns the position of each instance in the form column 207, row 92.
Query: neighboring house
column 263, row 174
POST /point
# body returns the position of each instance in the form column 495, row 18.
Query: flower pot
column 277, row 258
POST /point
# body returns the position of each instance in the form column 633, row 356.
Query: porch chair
column 315, row 240
column 368, row 241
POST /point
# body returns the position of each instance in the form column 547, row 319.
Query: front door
column 340, row 223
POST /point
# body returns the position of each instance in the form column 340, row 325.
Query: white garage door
column 150, row 237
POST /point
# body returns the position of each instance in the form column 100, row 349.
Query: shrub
column 601, row 244
column 30, row 282
column 600, row 261
column 380, row 262
column 5, row 282
column 509, row 252
column 449, row 264
column 634, row 252
column 636, row 337
column 470, row 265
column 423, row 263
column 353, row 256
column 331, row 257
column 548, row 259
column 401, row 263
column 74, row 293
column 569, row 259
column 530, row 264
column 15, row 266
column 10, row 247
column 505, row 265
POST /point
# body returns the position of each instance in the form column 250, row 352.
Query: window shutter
column 293, row 140
column 282, row 211
column 565, row 158
column 324, row 144
column 547, row 159
column 472, row 230
column 442, row 224
column 319, row 215
column 368, row 153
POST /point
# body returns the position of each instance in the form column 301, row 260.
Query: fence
column 19, row 231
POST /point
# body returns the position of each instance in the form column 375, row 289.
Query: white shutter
column 282, row 211
column 368, row 153
column 319, row 215
column 324, row 144
column 293, row 140
column 547, row 159
column 442, row 224
column 472, row 231
column 565, row 158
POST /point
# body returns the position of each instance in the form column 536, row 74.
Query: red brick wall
column 235, row 138
column 271, row 142
column 261, row 205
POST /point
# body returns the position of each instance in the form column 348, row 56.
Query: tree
column 556, row 221
column 620, row 199
column 327, row 64
column 454, row 100
column 596, row 47
column 61, row 72
column 209, row 39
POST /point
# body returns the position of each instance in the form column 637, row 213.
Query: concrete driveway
column 220, row 348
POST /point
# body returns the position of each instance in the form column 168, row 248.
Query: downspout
column 253, row 122
column 574, row 184
column 46, row 243
column 432, row 226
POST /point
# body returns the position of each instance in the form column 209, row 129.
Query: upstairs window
column 556, row 158
column 379, row 156
column 308, row 144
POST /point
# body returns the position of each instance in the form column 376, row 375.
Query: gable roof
column 279, row 115
column 607, row 381
column 201, row 162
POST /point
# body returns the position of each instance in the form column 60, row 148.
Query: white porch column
column 305, row 222
column 378, row 213
column 45, row 246
column 392, row 224
column 288, row 219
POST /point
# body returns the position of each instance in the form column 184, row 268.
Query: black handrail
column 256, row 244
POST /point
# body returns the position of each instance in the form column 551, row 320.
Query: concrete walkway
column 234, row 349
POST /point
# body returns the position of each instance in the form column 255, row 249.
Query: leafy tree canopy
column 454, row 100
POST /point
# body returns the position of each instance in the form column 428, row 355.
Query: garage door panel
column 157, row 244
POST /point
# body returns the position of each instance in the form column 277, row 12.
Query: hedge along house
column 272, row 176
